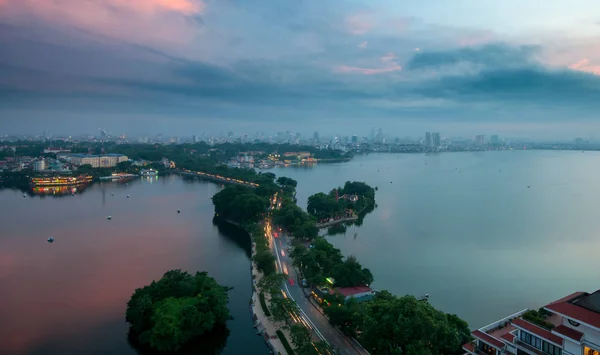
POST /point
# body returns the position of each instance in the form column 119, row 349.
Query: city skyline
column 411, row 67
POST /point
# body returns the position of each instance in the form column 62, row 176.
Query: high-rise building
column 494, row 140
column 316, row 137
column 195, row 139
column 380, row 135
column 435, row 136
column 428, row 141
column 354, row 139
column 479, row 139
column 39, row 165
column 230, row 134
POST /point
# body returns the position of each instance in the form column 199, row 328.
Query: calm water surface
column 69, row 297
column 465, row 228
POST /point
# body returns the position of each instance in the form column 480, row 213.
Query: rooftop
column 540, row 332
column 351, row 291
column 582, row 307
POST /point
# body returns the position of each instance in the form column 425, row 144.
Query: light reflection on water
column 70, row 296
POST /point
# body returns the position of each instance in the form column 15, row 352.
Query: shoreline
column 261, row 322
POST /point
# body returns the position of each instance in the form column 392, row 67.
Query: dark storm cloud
column 504, row 74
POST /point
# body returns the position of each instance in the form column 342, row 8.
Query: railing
column 500, row 322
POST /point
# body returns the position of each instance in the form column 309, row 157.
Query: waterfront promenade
column 263, row 324
column 216, row 178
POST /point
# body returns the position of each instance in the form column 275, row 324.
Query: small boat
column 109, row 218
column 178, row 211
column 24, row 195
column 50, row 240
column 112, row 194
column 149, row 172
column 127, row 196
column 528, row 186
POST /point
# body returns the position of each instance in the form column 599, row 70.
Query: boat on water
column 61, row 180
column 148, row 172
column 50, row 240
column 118, row 176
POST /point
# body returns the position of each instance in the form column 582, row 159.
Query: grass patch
column 285, row 343
column 263, row 304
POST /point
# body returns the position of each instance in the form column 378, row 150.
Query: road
column 310, row 314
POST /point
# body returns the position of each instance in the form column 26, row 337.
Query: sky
column 182, row 67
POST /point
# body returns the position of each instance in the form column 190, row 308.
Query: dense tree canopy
column 324, row 260
column 294, row 220
column 303, row 341
column 179, row 307
column 240, row 204
column 400, row 325
column 325, row 206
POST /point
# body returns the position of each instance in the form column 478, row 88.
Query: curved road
column 318, row 322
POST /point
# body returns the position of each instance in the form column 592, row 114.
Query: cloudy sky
column 513, row 67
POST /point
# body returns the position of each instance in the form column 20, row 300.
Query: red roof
column 568, row 332
column 488, row 339
column 470, row 347
column 580, row 314
column 568, row 298
column 534, row 329
column 351, row 291
column 508, row 337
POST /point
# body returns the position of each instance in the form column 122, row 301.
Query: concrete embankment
column 334, row 222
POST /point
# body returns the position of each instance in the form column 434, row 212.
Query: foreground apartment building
column 575, row 330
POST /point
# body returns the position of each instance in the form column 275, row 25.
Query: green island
column 384, row 324
column 178, row 308
column 342, row 204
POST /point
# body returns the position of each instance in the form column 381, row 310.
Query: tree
column 404, row 325
column 265, row 262
column 271, row 284
column 350, row 273
column 285, row 181
column 282, row 308
column 174, row 310
column 240, row 204
column 345, row 314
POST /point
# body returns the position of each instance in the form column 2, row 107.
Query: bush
column 538, row 319
column 285, row 343
column 263, row 304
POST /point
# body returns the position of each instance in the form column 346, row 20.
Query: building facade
column 39, row 165
column 97, row 161
column 571, row 326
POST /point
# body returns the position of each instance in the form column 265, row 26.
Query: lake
column 466, row 228
column 463, row 227
column 69, row 297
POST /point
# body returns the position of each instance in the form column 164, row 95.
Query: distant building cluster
column 96, row 161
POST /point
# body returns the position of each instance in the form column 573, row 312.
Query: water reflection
column 210, row 343
column 234, row 234
column 58, row 191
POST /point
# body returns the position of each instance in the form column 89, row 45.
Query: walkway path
column 261, row 321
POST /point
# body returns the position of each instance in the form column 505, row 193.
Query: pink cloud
column 362, row 45
column 388, row 57
column 584, row 65
column 139, row 21
column 389, row 66
column 359, row 24
column 368, row 71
